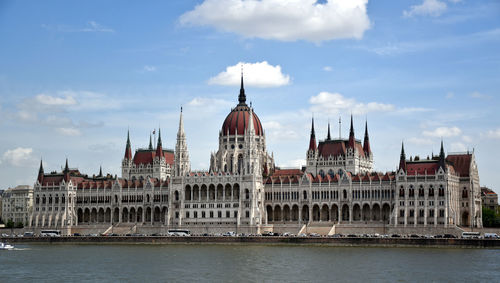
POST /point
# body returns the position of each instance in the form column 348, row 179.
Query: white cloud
column 469, row 139
column 458, row 146
column 420, row 141
column 478, row 95
column 55, row 101
column 286, row 20
column 493, row 134
column 91, row 26
column 276, row 131
column 259, row 74
column 432, row 8
column 334, row 103
column 443, row 132
column 148, row 68
column 327, row 69
column 72, row 132
column 207, row 105
column 19, row 156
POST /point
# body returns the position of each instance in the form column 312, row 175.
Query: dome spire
column 242, row 99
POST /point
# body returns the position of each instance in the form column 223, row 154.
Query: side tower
column 312, row 152
column 181, row 163
column 127, row 159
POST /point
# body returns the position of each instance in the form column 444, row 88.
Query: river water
column 245, row 263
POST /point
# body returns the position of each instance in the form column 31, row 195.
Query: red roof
column 287, row 172
column 461, row 163
column 147, row 156
column 420, row 168
column 238, row 120
column 337, row 147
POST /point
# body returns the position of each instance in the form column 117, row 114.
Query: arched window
column 176, row 195
column 305, row 194
column 147, row 197
column 247, row 194
column 345, row 194
column 50, row 199
column 431, row 191
column 57, row 199
column 240, row 163
column 465, row 194
column 116, row 199
column 44, row 200
column 63, row 199
column 37, row 199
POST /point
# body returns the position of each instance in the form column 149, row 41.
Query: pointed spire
column 66, row 167
column 150, row 142
column 442, row 156
column 66, row 171
column 180, row 132
column 402, row 158
column 128, row 148
column 251, row 129
column 312, row 141
column 351, row 135
column 159, row 149
column 329, row 136
column 40, row 172
column 100, row 171
column 242, row 97
column 366, row 142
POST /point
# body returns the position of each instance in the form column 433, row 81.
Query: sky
column 75, row 76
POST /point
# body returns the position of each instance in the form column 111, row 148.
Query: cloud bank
column 259, row 74
column 284, row 20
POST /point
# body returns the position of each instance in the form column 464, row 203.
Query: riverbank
column 339, row 242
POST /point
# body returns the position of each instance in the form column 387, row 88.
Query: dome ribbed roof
column 238, row 120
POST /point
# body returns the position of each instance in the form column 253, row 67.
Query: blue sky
column 75, row 76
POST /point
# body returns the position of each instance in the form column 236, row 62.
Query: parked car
column 491, row 236
column 76, row 234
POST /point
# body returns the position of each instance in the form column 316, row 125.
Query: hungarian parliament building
column 244, row 191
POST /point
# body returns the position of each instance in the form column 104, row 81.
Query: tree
column 19, row 225
column 10, row 224
column 490, row 218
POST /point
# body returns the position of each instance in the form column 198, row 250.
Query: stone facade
column 244, row 192
column 17, row 204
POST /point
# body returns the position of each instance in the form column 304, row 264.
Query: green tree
column 490, row 218
column 10, row 224
column 19, row 225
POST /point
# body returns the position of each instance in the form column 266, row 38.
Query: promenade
column 272, row 240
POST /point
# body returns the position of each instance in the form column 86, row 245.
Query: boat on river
column 4, row 246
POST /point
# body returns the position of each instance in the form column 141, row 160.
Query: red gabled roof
column 337, row 147
column 287, row 172
column 147, row 156
column 422, row 167
column 461, row 163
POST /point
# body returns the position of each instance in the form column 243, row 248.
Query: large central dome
column 238, row 119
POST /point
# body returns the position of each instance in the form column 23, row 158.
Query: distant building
column 17, row 204
column 489, row 198
column 1, row 219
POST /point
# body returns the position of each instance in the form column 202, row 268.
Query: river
column 245, row 263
